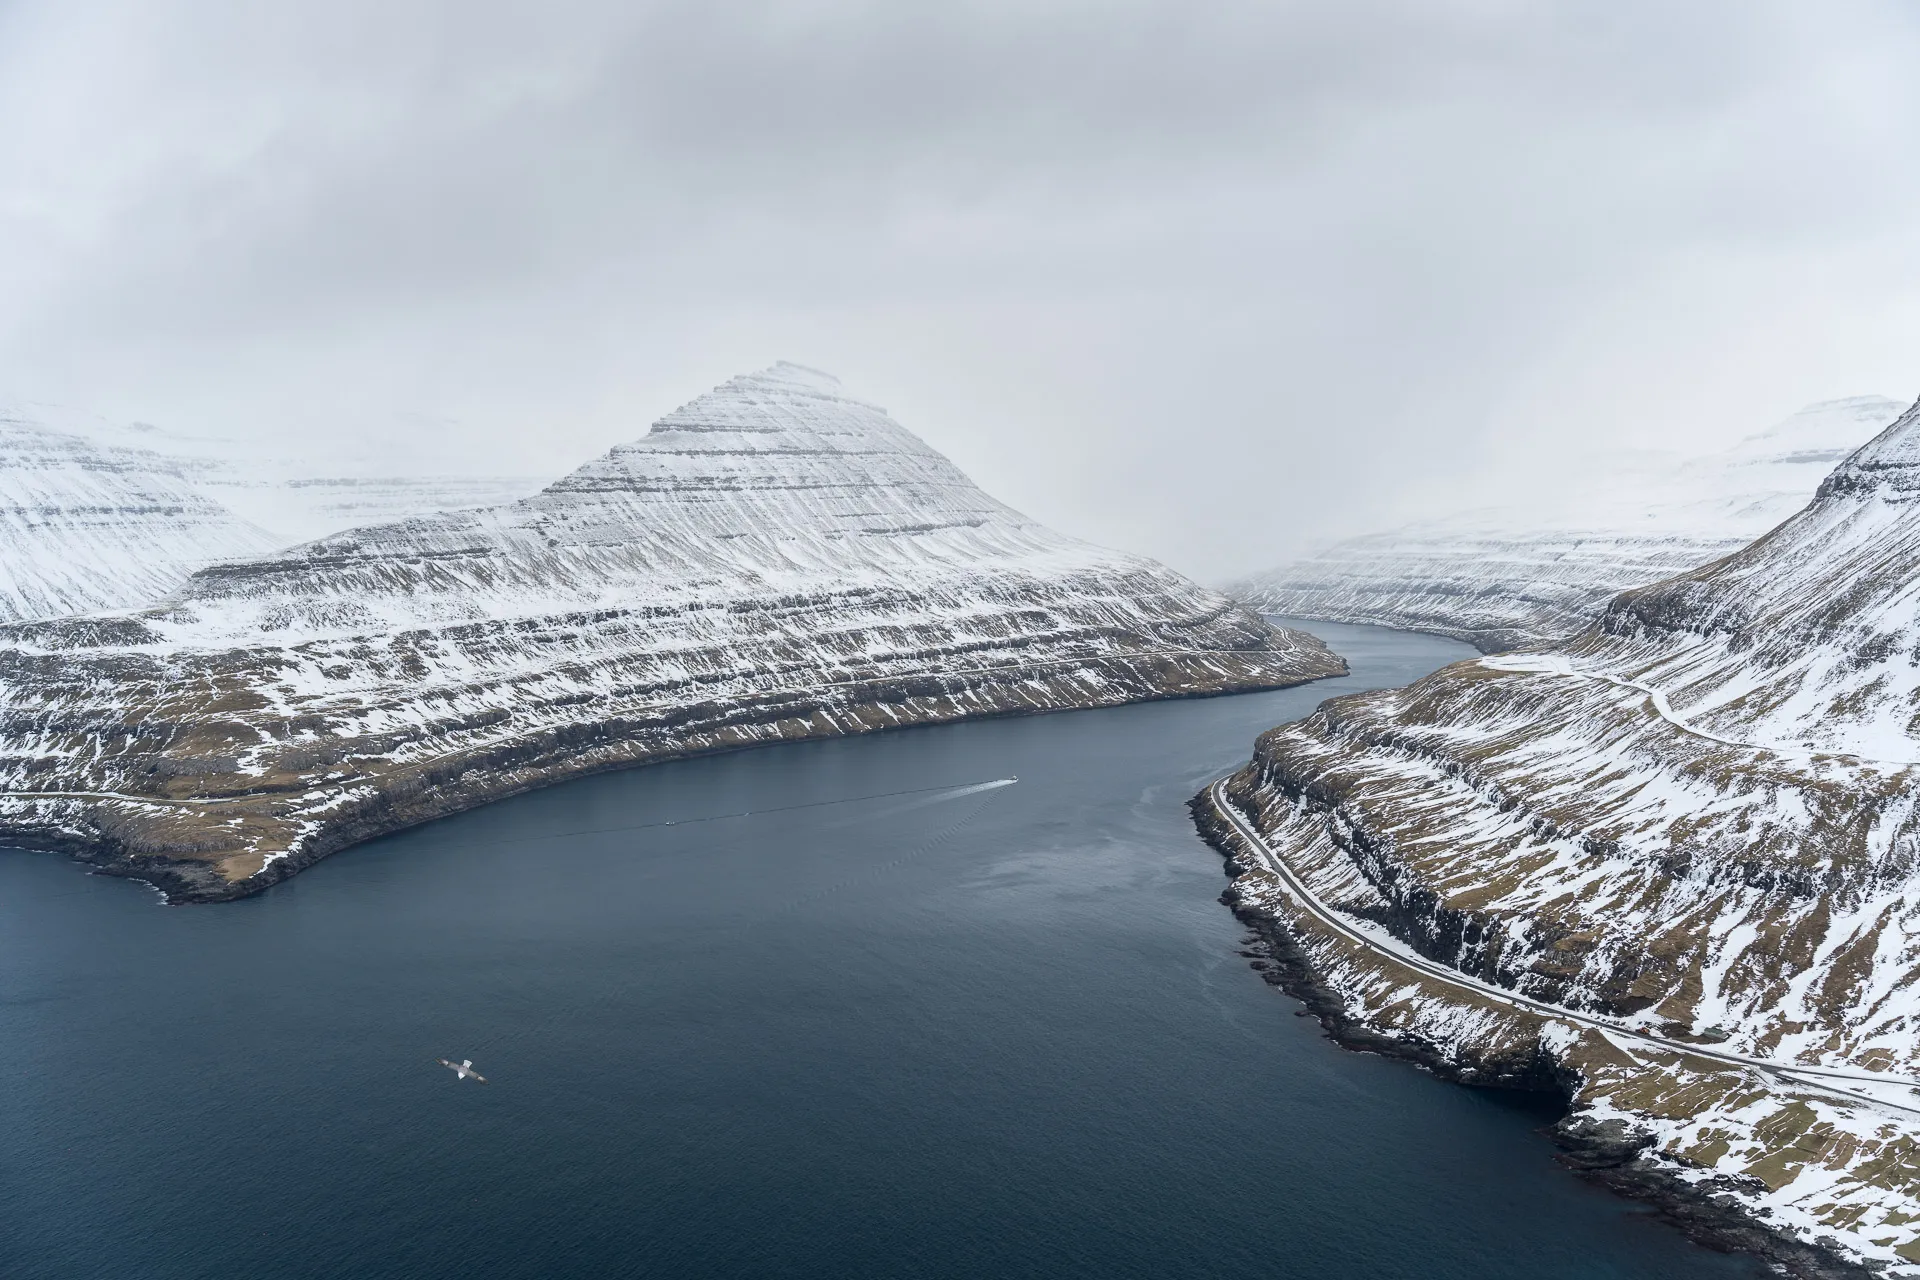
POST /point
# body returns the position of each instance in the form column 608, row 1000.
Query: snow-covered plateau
column 1541, row 569
column 86, row 526
column 775, row 560
column 294, row 493
column 300, row 505
column 1696, row 826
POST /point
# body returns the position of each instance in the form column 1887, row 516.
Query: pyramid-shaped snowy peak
column 774, row 560
column 784, row 449
column 774, row 480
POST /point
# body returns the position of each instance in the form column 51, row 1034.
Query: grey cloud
column 1206, row 279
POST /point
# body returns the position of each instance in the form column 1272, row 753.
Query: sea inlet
column 929, row 1029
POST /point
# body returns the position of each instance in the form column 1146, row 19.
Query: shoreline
column 887, row 704
column 1606, row 1153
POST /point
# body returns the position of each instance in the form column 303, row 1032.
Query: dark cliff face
column 774, row 560
column 1888, row 465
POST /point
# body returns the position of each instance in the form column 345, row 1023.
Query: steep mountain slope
column 85, row 526
column 1518, row 575
column 1697, row 820
column 774, row 560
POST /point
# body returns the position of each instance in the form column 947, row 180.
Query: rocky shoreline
column 1697, row 823
column 1606, row 1152
column 112, row 847
column 774, row 560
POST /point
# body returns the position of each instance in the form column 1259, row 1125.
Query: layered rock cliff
column 775, row 560
column 1526, row 573
column 1697, row 822
column 86, row 526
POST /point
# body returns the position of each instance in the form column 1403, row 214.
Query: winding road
column 1823, row 1079
column 1551, row 665
column 108, row 795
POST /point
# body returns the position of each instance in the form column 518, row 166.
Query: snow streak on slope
column 85, row 526
column 1809, row 640
column 1703, row 814
column 1522, row 574
column 774, row 560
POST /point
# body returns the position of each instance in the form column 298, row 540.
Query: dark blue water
column 1000, row 1034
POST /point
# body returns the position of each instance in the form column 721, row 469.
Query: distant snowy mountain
column 1506, row 577
column 775, row 560
column 302, row 506
column 87, row 526
column 1697, row 820
column 301, row 496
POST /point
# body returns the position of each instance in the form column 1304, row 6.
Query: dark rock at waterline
column 1608, row 1152
column 774, row 561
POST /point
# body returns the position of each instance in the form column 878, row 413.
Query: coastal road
column 1825, row 1079
column 1554, row 665
column 107, row 795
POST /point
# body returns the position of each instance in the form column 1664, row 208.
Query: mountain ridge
column 290, row 495
column 86, row 526
column 774, row 560
column 1508, row 577
column 1701, row 817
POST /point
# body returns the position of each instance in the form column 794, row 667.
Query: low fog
column 1206, row 280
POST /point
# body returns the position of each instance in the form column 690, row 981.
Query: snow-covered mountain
column 297, row 495
column 1501, row 578
column 1699, row 820
column 775, row 560
column 87, row 526
column 302, row 506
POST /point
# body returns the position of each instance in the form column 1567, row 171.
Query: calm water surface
column 933, row 1035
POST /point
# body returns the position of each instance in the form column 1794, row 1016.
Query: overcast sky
column 1206, row 280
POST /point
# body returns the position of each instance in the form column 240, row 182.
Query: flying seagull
column 464, row 1070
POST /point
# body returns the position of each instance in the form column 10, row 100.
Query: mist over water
column 969, row 1032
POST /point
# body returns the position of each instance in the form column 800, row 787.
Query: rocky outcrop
column 775, row 560
column 1698, row 821
column 1535, row 572
column 87, row 526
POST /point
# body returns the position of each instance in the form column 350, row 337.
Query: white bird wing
column 463, row 1069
